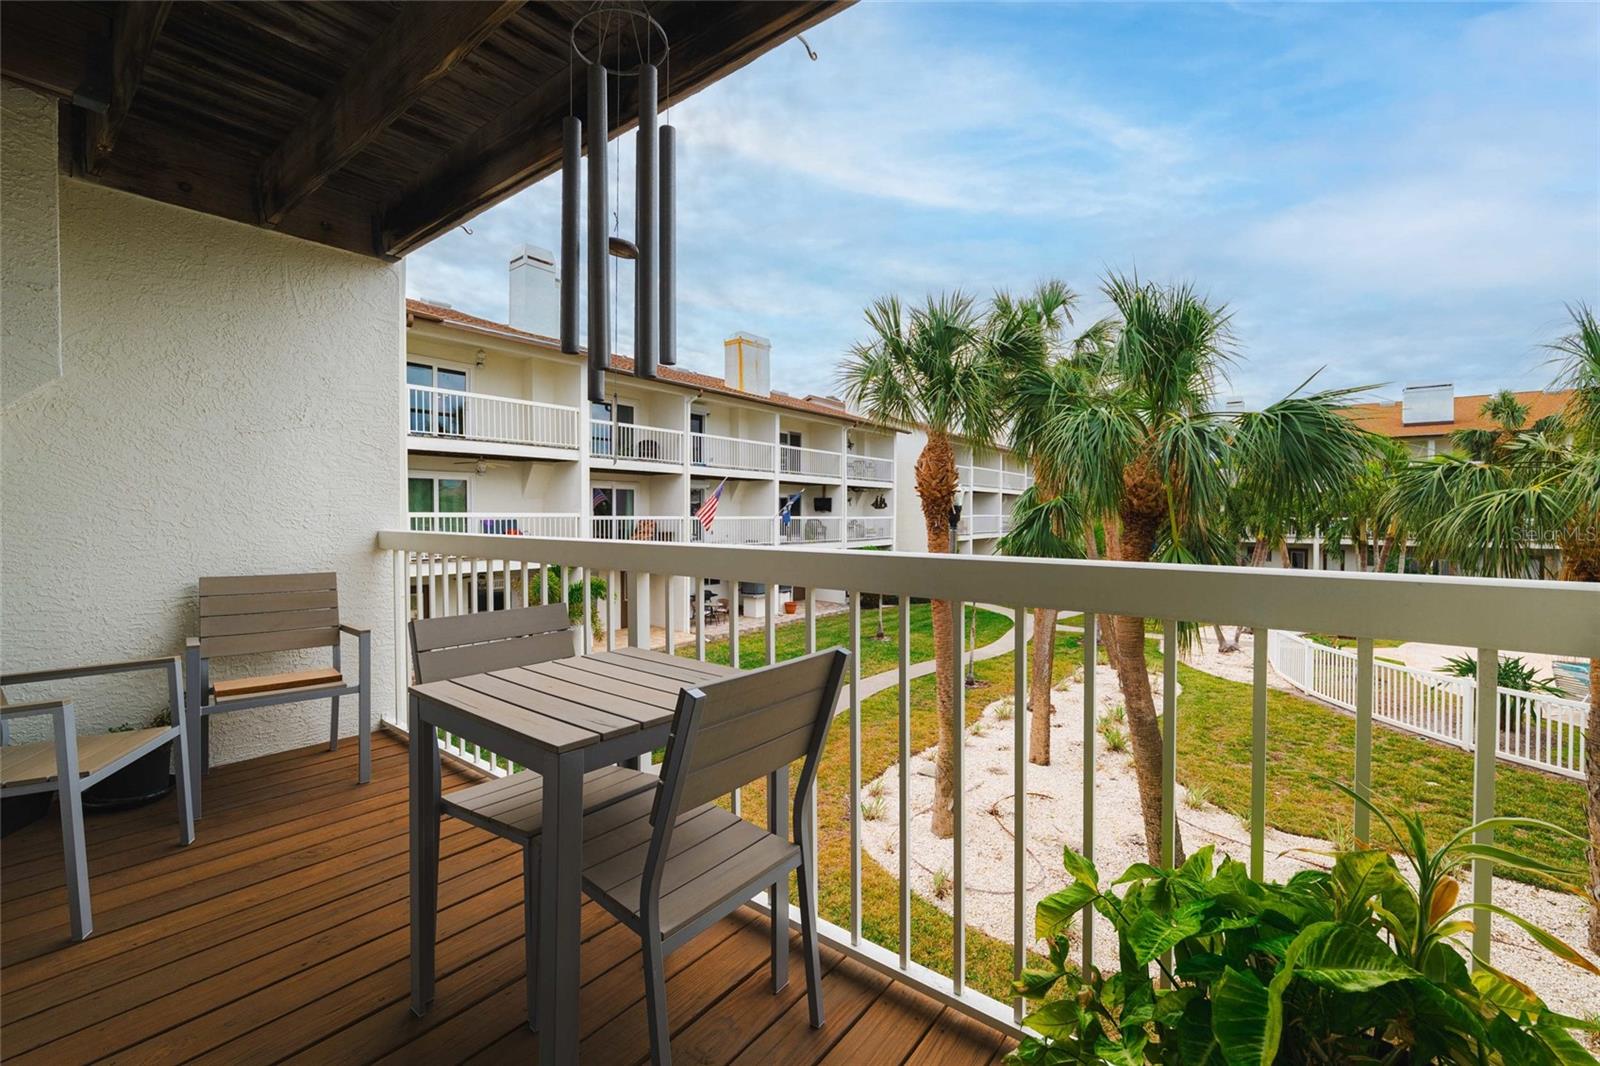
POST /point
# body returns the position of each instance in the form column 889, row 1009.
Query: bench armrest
column 354, row 631
column 23, row 710
column 127, row 667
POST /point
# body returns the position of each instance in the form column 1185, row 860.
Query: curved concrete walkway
column 887, row 679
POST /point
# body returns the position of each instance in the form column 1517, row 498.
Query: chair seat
column 240, row 687
column 32, row 764
column 513, row 807
column 714, row 856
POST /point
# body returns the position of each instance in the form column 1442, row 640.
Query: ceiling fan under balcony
column 480, row 465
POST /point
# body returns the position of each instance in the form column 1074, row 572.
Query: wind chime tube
column 599, row 245
column 645, row 200
column 571, row 189
column 666, row 314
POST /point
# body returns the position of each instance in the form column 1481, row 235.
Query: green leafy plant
column 1115, row 738
column 1358, row 964
column 1513, row 671
column 160, row 720
column 941, row 884
column 1197, row 797
column 557, row 577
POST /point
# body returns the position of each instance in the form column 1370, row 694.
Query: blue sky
column 1400, row 193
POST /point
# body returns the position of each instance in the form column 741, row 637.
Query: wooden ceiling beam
column 420, row 47
column 523, row 145
column 134, row 32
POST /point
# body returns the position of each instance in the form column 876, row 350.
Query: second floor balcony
column 449, row 418
column 809, row 462
column 624, row 441
column 736, row 454
column 870, row 468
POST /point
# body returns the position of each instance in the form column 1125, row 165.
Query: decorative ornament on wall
column 636, row 46
column 880, row 503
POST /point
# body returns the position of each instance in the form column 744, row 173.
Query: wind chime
column 654, row 244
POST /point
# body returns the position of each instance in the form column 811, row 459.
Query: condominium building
column 499, row 439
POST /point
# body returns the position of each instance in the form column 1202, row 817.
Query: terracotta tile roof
column 1384, row 418
column 669, row 374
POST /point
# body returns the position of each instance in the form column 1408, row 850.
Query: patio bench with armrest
column 265, row 614
column 511, row 807
column 68, row 763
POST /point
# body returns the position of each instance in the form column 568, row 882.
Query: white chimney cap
column 1421, row 404
column 536, row 253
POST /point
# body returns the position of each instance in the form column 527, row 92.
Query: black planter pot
column 142, row 781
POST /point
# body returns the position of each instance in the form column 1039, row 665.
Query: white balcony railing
column 859, row 529
column 1558, row 618
column 870, row 468
column 985, row 525
column 499, row 419
column 731, row 453
column 985, row 477
column 541, row 524
column 810, row 529
column 808, row 462
column 1534, row 728
column 665, row 529
column 645, row 444
column 737, row 529
column 1013, row 480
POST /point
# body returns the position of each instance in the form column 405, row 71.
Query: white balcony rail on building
column 1013, row 480
column 985, row 477
column 737, row 529
column 808, row 462
column 662, row 529
column 1531, row 728
column 870, row 468
column 858, row 528
column 731, row 453
column 1558, row 618
column 645, row 444
column 500, row 419
column 498, row 523
column 985, row 525
column 811, row 529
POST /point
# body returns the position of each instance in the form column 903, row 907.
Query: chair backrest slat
column 756, row 723
column 442, row 648
column 265, row 613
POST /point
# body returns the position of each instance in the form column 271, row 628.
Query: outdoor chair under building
column 511, row 807
column 274, row 613
column 67, row 764
column 671, row 863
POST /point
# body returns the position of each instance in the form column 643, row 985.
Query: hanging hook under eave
column 811, row 52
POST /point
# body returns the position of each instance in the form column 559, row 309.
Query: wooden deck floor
column 281, row 934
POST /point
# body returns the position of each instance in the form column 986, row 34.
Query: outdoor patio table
column 561, row 719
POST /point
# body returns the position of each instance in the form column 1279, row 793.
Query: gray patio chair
column 68, row 763
column 273, row 613
column 681, row 863
column 511, row 807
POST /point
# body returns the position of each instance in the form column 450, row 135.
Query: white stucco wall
column 30, row 267
column 229, row 405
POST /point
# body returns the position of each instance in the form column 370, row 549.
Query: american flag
column 708, row 510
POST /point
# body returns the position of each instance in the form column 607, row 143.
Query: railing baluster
column 1363, row 768
column 1483, row 795
column 670, row 615
column 700, row 618
column 855, row 765
column 613, row 595
column 958, row 771
column 586, row 626
column 1091, row 660
column 904, row 663
column 733, row 622
column 771, row 607
column 1169, row 742
column 1019, row 800
column 1258, row 756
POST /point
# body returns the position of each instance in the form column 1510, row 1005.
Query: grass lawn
column 1328, row 641
column 834, row 631
column 1305, row 739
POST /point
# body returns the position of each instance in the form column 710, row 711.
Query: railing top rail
column 641, row 426
column 1520, row 615
column 809, row 451
column 735, row 440
column 491, row 396
column 493, row 514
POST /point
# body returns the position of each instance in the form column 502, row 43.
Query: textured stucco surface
column 30, row 276
column 230, row 405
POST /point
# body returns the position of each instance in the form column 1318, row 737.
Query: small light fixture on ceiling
column 622, row 248
column 480, row 357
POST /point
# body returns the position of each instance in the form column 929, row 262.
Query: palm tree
column 1146, row 445
column 1488, row 511
column 927, row 368
column 1364, row 513
column 1024, row 335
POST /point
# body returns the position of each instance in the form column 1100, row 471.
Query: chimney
column 748, row 363
column 1421, row 404
column 535, row 291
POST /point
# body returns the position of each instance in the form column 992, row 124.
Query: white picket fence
column 1534, row 729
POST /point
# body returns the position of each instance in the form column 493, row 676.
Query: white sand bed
column 1055, row 813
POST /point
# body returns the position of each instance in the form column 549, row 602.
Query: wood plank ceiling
column 368, row 125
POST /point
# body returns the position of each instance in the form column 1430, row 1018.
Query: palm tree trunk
column 1041, row 674
column 936, row 481
column 1139, row 525
column 1591, row 767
